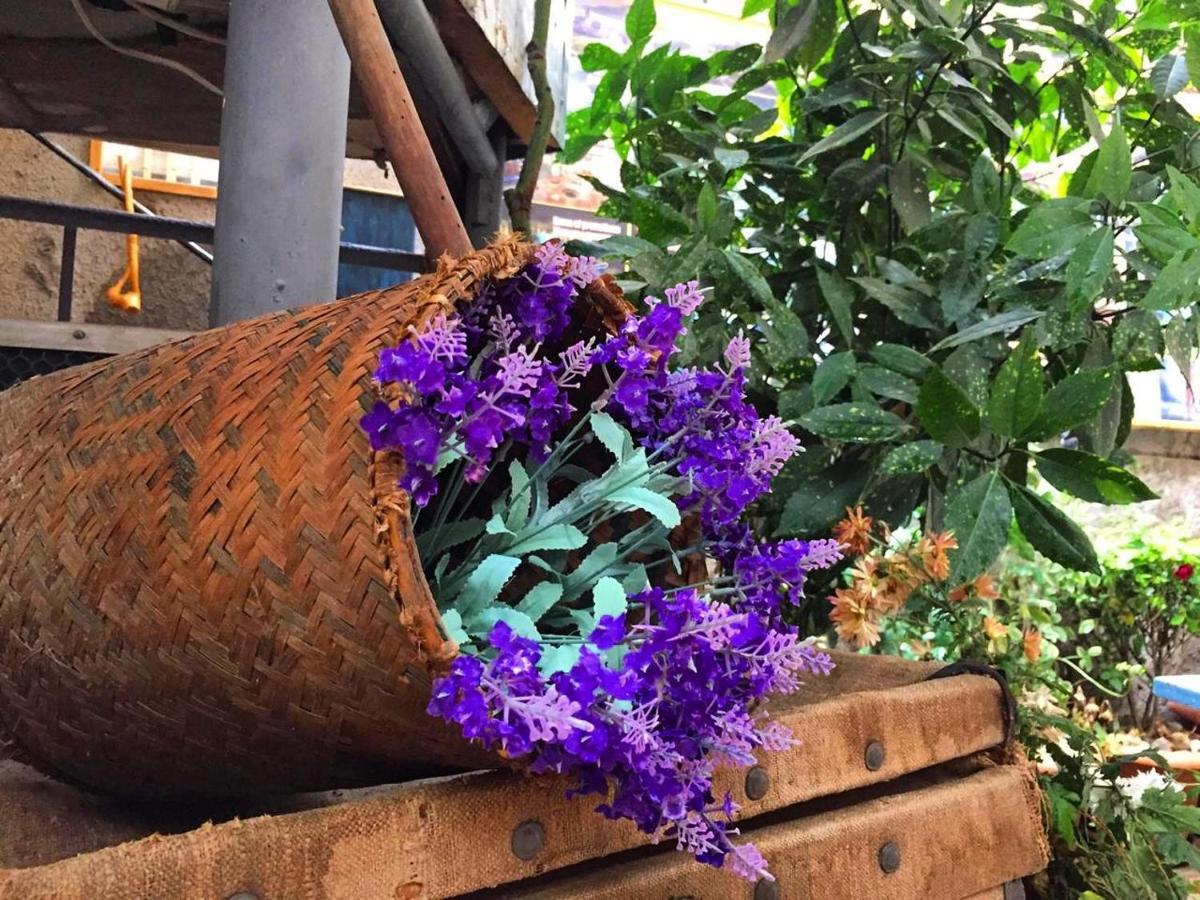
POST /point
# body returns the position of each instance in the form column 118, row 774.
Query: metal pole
column 412, row 29
column 66, row 275
column 283, row 149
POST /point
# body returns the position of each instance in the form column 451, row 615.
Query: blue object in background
column 380, row 220
column 1183, row 689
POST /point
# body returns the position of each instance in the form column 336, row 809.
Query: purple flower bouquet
column 564, row 491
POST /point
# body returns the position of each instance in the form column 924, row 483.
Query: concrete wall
column 175, row 284
column 1168, row 460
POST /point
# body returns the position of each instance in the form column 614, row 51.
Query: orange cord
column 127, row 300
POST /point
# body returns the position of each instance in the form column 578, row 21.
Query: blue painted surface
column 380, row 220
column 1183, row 689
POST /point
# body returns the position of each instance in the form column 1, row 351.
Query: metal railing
column 72, row 218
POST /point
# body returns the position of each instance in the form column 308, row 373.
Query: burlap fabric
column 208, row 584
column 453, row 836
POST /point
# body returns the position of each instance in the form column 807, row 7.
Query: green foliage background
column 958, row 228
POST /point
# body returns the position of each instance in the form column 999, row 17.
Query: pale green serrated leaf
column 614, row 438
column 608, row 598
column 484, row 584
column 662, row 508
column 548, row 537
column 540, row 599
column 482, row 623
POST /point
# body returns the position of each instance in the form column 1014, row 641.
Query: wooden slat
column 919, row 724
column 83, row 337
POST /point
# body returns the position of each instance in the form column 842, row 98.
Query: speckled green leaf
column 1051, row 531
column 1091, row 478
column 911, row 458
column 979, row 515
column 1071, row 402
column 1137, row 341
column 1017, row 393
column 946, row 412
column 860, row 423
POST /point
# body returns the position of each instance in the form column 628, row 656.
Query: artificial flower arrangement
column 582, row 519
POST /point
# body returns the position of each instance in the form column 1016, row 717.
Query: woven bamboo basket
column 208, row 582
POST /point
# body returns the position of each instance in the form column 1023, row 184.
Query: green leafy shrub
column 956, row 228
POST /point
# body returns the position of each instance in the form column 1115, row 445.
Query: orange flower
column 982, row 588
column 920, row 648
column 985, row 587
column 1033, row 644
column 854, row 531
column 932, row 550
column 855, row 618
column 992, row 629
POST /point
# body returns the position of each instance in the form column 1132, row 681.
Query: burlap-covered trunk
column 208, row 583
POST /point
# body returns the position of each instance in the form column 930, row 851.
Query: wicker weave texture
column 207, row 580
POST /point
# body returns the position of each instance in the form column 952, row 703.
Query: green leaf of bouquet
column 909, row 459
column 979, row 515
column 833, row 374
column 540, row 599
column 484, row 585
column 946, row 412
column 615, row 438
column 1071, row 402
column 497, row 525
column 852, row 128
column 558, row 658
column 1091, row 478
column 597, row 563
column 520, row 498
column 481, row 624
column 1052, row 533
column 1016, row 397
column 453, row 625
column 636, row 581
column 860, row 423
column 548, row 537
column 438, row 540
column 662, row 508
column 608, row 598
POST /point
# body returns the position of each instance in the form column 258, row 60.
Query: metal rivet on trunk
column 873, row 756
column 766, row 889
column 757, row 783
column 889, row 857
column 528, row 839
column 79, row 334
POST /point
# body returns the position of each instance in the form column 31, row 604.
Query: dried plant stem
column 520, row 197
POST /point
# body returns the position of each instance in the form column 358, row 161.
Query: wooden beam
column 82, row 337
column 395, row 116
column 14, row 111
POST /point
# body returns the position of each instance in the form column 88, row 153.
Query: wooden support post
column 391, row 105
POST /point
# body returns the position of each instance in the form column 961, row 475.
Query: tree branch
column 520, row 198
